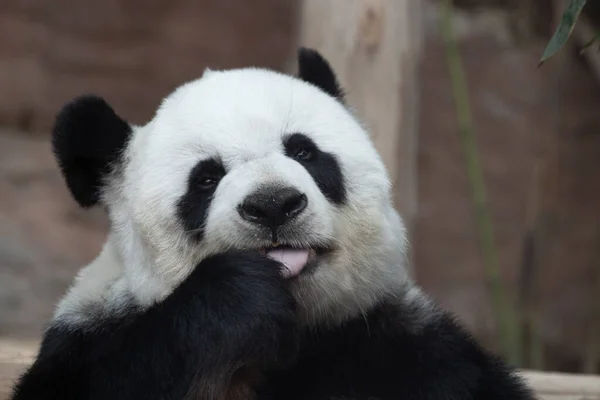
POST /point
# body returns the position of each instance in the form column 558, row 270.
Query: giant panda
column 253, row 253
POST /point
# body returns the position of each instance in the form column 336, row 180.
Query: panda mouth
column 294, row 259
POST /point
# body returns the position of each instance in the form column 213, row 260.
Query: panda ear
column 87, row 139
column 314, row 68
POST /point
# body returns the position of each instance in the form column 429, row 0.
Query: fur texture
column 180, row 304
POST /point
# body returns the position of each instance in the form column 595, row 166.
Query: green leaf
column 567, row 23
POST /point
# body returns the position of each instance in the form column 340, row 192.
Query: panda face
column 254, row 159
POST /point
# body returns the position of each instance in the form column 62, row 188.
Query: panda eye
column 300, row 148
column 303, row 153
column 208, row 182
column 206, row 175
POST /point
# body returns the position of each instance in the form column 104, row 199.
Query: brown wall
column 519, row 112
column 133, row 52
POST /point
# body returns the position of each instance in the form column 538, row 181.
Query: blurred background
column 537, row 141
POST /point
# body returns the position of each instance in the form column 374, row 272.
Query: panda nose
column 273, row 207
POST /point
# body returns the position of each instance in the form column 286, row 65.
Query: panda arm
column 231, row 312
column 387, row 355
column 441, row 360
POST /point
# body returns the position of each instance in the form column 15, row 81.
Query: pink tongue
column 294, row 260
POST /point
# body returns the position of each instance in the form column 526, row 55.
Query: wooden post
column 375, row 48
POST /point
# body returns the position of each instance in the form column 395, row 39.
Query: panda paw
column 248, row 294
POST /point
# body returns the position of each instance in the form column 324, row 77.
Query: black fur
column 233, row 311
column 315, row 69
column 193, row 207
column 233, row 317
column 384, row 356
column 322, row 166
column 87, row 140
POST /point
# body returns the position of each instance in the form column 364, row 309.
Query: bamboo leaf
column 562, row 33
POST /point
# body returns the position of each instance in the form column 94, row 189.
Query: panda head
column 238, row 159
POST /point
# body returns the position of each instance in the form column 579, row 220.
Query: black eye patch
column 322, row 166
column 193, row 206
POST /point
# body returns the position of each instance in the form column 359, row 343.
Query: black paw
column 248, row 296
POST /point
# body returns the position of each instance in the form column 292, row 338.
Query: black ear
column 313, row 68
column 87, row 140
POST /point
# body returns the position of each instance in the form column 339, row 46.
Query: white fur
column 241, row 116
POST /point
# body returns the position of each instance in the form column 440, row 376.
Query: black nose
column 273, row 207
